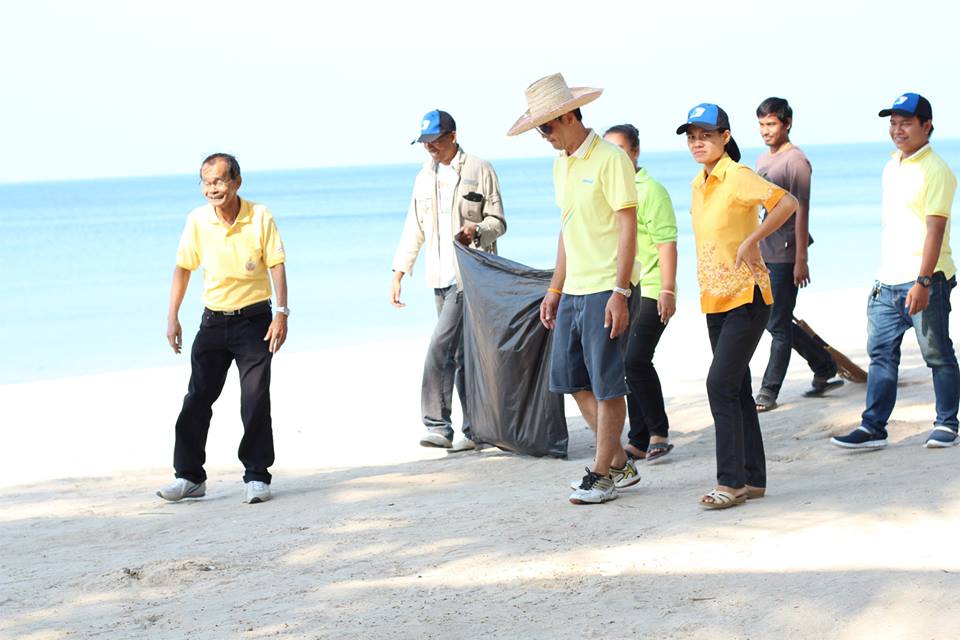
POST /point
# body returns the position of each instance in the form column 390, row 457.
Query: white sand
column 370, row 536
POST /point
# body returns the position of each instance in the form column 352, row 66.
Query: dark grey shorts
column 584, row 357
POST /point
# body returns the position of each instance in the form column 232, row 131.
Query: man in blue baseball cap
column 456, row 197
column 915, row 279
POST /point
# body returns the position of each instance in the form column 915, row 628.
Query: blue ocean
column 92, row 260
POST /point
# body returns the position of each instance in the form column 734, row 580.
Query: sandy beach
column 370, row 535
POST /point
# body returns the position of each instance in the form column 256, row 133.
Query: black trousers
column 645, row 400
column 734, row 336
column 220, row 341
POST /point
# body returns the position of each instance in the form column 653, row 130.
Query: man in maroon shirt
column 785, row 253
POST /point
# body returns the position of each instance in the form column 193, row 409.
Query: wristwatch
column 925, row 281
column 624, row 292
column 284, row 310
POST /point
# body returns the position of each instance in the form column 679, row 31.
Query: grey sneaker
column 255, row 492
column 182, row 488
column 594, row 489
column 434, row 439
column 463, row 444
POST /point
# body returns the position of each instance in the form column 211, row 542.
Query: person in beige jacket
column 456, row 197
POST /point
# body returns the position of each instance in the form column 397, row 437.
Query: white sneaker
column 434, row 439
column 255, row 492
column 182, row 488
column 463, row 444
column 594, row 489
column 626, row 476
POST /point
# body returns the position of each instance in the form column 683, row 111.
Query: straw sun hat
column 548, row 98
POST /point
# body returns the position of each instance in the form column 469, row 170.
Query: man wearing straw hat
column 456, row 196
column 587, row 303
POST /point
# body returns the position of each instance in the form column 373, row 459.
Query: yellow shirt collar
column 583, row 151
column 919, row 153
column 242, row 215
column 719, row 171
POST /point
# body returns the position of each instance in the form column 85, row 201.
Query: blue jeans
column 887, row 321
column 443, row 367
column 787, row 335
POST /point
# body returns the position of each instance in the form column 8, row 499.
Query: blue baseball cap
column 711, row 117
column 706, row 116
column 435, row 124
column 910, row 104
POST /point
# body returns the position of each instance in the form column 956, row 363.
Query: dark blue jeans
column 788, row 336
column 443, row 366
column 887, row 321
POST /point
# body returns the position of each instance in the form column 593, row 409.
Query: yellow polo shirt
column 914, row 188
column 725, row 209
column 235, row 258
column 591, row 185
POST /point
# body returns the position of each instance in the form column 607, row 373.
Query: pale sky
column 116, row 88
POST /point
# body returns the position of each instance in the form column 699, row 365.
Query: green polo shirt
column 656, row 224
column 591, row 185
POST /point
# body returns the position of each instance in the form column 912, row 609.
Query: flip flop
column 657, row 450
column 722, row 499
column 818, row 388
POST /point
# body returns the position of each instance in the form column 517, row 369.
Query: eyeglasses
column 219, row 183
column 546, row 128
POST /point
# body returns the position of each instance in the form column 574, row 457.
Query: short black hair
column 776, row 107
column 576, row 114
column 230, row 160
column 628, row 131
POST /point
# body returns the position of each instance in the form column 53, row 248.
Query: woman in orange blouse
column 735, row 293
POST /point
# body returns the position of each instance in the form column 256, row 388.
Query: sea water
column 91, row 260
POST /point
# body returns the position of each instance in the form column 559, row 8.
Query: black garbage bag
column 507, row 356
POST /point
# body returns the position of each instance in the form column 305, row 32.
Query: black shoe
column 820, row 386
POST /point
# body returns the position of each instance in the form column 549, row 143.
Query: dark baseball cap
column 434, row 125
column 910, row 104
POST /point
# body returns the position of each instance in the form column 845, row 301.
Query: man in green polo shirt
column 587, row 302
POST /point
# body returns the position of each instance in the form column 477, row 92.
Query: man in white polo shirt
column 916, row 277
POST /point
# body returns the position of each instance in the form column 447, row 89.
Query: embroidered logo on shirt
column 251, row 265
column 587, row 181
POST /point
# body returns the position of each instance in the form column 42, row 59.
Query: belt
column 255, row 309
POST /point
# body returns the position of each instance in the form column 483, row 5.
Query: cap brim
column 528, row 121
column 429, row 137
column 702, row 125
column 899, row 112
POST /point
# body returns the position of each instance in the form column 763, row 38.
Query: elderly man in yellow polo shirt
column 586, row 304
column 239, row 246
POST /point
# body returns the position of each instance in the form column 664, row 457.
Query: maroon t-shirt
column 791, row 170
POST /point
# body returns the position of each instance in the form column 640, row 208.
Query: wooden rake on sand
column 845, row 366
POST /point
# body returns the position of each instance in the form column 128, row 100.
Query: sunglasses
column 546, row 128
